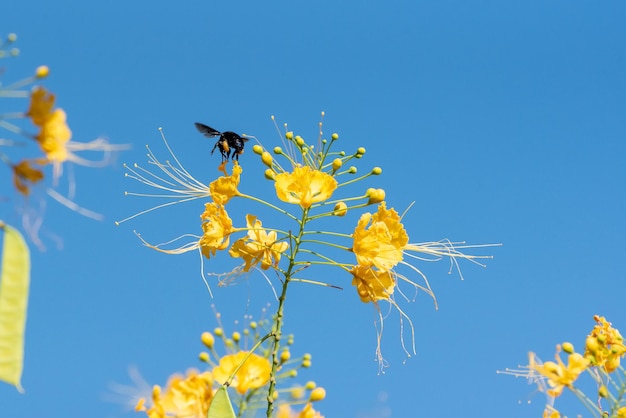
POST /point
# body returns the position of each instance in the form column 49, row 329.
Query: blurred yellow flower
column 304, row 186
column 259, row 246
column 225, row 187
column 216, row 227
column 558, row 374
column 54, row 136
column 55, row 133
column 372, row 285
column 188, row 396
column 253, row 374
column 41, row 105
column 379, row 239
column 23, row 174
column 285, row 411
column 550, row 412
column 604, row 345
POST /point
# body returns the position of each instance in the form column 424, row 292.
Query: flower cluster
column 306, row 179
column 604, row 349
column 239, row 368
column 53, row 137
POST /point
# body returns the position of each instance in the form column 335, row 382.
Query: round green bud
column 310, row 385
column 352, row 170
column 335, row 136
column 377, row 171
column 218, row 332
column 278, row 150
column 299, row 140
column 337, row 163
column 568, row 347
column 204, row 357
column 289, row 135
column 253, row 325
column 11, row 37
column 236, row 337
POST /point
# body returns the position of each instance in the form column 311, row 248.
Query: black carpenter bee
column 230, row 144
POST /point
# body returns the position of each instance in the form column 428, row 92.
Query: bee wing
column 207, row 130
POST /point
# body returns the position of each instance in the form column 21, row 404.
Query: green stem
column 278, row 323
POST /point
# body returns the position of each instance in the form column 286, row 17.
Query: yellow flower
column 253, row 374
column 372, row 285
column 258, row 246
column 621, row 413
column 55, row 133
column 54, row 136
column 182, row 397
column 550, row 412
column 41, row 105
column 285, row 411
column 304, row 186
column 604, row 345
column 225, row 187
column 216, row 227
column 24, row 173
column 558, row 374
column 379, row 239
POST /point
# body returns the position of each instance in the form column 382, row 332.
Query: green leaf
column 220, row 405
column 14, row 281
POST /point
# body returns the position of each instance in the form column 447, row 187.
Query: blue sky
column 502, row 121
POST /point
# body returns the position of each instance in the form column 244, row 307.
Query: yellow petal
column 14, row 281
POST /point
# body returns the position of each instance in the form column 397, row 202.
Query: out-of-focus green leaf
column 14, row 281
column 220, row 405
